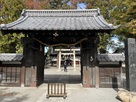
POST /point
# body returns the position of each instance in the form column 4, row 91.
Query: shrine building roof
column 87, row 19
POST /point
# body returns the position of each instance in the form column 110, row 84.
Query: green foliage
column 57, row 4
column 117, row 12
column 10, row 43
column 123, row 13
column 104, row 40
column 132, row 27
column 130, row 17
column 17, row 41
column 10, row 10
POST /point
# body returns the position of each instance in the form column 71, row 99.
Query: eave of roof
column 111, row 57
column 100, row 57
column 88, row 19
column 10, row 57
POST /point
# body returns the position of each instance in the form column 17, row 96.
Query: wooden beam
column 67, row 49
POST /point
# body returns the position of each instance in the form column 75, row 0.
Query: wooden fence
column 10, row 76
column 57, row 90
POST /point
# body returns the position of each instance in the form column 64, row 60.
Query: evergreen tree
column 130, row 17
column 117, row 12
column 10, row 11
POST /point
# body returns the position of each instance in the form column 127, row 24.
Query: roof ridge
column 68, row 12
column 11, row 54
column 111, row 54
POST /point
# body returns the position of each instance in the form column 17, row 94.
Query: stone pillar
column 58, row 60
column 74, row 58
column 59, row 66
column 97, row 77
column 130, row 60
column 23, row 76
column 33, row 76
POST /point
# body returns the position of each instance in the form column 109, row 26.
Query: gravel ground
column 16, row 94
column 75, row 93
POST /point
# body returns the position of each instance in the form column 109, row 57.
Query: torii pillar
column 74, row 59
column 59, row 60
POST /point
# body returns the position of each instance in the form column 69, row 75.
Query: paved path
column 84, row 95
column 75, row 91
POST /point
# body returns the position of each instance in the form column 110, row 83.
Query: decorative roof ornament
column 55, row 34
column 98, row 11
column 110, row 25
column 3, row 26
column 23, row 12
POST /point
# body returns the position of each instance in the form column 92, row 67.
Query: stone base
column 33, row 84
column 86, row 85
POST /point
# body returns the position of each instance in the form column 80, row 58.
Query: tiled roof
column 11, row 57
column 100, row 57
column 88, row 19
column 110, row 57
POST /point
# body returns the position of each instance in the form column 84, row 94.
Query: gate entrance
column 76, row 28
column 54, row 68
column 53, row 75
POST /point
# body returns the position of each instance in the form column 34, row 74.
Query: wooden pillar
column 74, row 60
column 38, row 68
column 88, row 63
column 33, row 59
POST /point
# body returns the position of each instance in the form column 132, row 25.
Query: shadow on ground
column 7, row 96
column 71, row 79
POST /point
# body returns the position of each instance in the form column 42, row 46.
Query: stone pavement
column 75, row 91
column 84, row 95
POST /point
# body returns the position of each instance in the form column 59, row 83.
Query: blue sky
column 79, row 5
column 116, row 41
